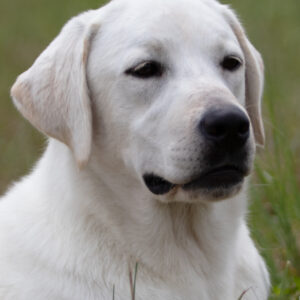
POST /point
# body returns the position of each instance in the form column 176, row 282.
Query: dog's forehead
column 161, row 20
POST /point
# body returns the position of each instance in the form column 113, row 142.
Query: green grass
column 274, row 27
column 275, row 207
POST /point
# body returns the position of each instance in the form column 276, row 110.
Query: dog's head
column 170, row 89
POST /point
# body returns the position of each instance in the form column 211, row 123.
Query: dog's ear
column 53, row 94
column 254, row 77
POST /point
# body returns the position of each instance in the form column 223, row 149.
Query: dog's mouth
column 224, row 177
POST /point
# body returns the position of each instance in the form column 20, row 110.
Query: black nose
column 228, row 126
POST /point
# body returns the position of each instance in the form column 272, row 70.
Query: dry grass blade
column 113, row 292
column 244, row 293
column 132, row 281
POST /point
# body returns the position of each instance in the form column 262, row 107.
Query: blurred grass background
column 26, row 28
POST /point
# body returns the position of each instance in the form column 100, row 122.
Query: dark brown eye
column 146, row 70
column 231, row 63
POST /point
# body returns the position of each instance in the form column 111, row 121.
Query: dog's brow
column 153, row 46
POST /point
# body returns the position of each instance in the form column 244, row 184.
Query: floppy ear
column 254, row 77
column 53, row 94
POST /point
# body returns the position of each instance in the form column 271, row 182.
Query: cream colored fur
column 74, row 227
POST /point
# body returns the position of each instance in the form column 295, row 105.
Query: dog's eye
column 231, row 63
column 146, row 70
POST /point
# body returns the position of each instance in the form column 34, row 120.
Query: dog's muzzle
column 225, row 132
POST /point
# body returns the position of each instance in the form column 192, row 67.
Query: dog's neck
column 162, row 238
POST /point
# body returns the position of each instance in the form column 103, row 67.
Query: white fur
column 83, row 218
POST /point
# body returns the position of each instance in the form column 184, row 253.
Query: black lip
column 222, row 177
column 157, row 185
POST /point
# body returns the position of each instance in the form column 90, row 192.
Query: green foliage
column 274, row 27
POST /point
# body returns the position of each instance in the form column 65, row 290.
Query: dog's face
column 175, row 88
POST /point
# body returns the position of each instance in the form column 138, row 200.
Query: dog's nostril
column 213, row 130
column 228, row 125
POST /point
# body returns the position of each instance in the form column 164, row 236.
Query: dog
column 152, row 113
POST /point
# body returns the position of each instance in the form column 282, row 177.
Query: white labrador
column 152, row 109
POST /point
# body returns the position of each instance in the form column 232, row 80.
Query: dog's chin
column 213, row 185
